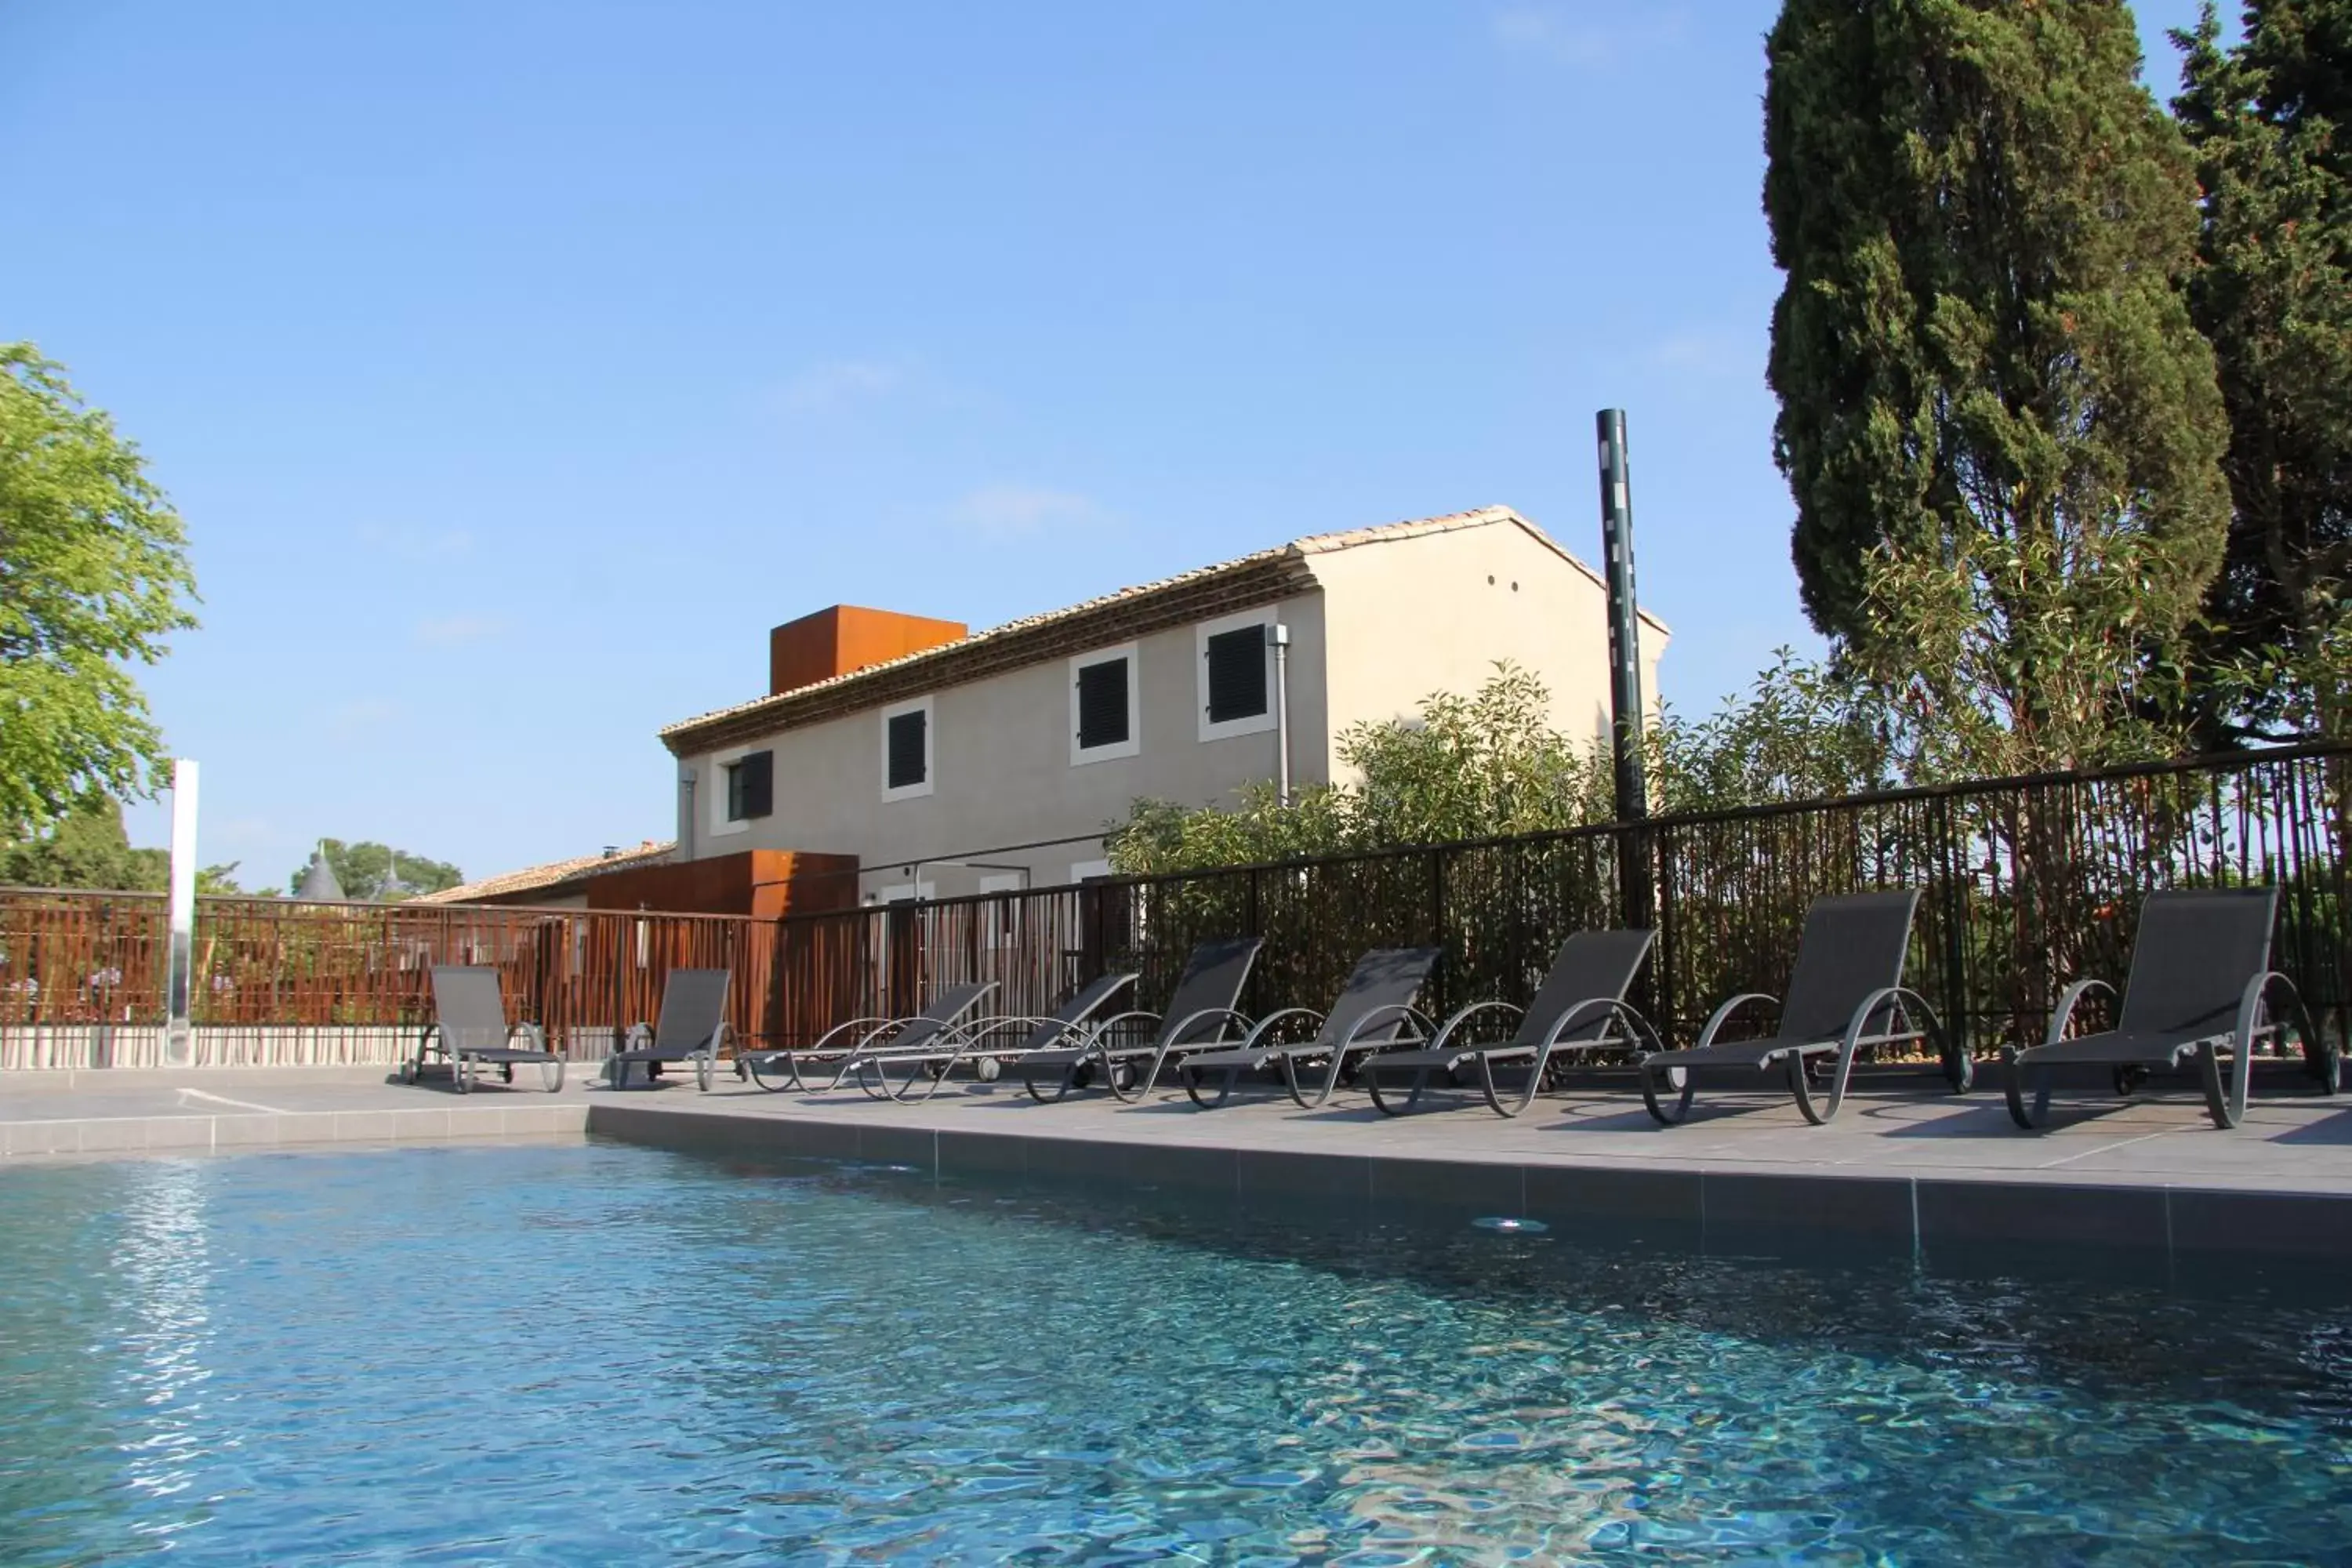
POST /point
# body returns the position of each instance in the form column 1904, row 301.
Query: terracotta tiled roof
column 539, row 877
column 1239, row 583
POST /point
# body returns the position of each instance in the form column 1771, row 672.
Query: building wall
column 1001, row 771
column 1408, row 617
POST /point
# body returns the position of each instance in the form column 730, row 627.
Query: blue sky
column 516, row 366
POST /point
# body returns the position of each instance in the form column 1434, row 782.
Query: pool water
column 598, row 1353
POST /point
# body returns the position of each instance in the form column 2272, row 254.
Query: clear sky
column 517, row 365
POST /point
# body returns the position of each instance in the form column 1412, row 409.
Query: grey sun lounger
column 1580, row 1008
column 470, row 1030
column 1200, row 1016
column 1374, row 1012
column 987, row 1043
column 1847, row 995
column 2198, row 993
column 693, row 1028
column 842, row 1045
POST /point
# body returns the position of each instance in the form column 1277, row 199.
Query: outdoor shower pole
column 1625, row 668
column 179, row 953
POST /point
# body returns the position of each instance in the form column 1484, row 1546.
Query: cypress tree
column 2271, row 122
column 1984, row 356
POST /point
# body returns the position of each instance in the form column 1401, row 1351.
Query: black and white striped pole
column 1624, row 665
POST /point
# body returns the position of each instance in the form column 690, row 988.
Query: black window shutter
column 1237, row 674
column 907, row 748
column 751, row 786
column 1102, row 704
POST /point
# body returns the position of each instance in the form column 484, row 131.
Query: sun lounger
column 2198, row 993
column 1847, row 996
column 470, row 1030
column 842, row 1045
column 1374, row 1013
column 1581, row 1007
column 1199, row 1015
column 693, row 1029
column 988, row 1042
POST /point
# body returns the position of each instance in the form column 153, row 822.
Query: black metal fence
column 2028, row 882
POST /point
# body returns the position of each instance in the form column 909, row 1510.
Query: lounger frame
column 464, row 1058
column 644, row 1044
column 845, row 1045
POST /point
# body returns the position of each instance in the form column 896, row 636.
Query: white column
column 179, row 1038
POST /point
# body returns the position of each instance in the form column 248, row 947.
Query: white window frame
column 1256, row 723
column 718, row 826
column 1133, row 744
column 930, row 733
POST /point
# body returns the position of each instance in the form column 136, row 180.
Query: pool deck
column 1901, row 1165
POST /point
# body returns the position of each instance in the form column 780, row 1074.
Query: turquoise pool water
column 597, row 1353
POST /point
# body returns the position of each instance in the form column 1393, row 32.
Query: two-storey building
column 953, row 764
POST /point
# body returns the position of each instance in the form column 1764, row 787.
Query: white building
column 970, row 764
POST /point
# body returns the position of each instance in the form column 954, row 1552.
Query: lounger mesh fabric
column 1371, row 1010
column 847, row 1044
column 2199, row 972
column 1588, row 964
column 1852, row 951
column 694, row 1004
column 929, row 1062
column 1852, row 946
column 1590, row 967
column 2191, row 958
column 693, row 1013
column 1199, row 1012
column 469, row 1006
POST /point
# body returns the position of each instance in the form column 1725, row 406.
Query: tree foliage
column 2269, row 120
column 93, row 576
column 370, row 872
column 2001, row 428
column 88, row 847
column 1489, row 764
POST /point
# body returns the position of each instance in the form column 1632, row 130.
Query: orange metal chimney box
column 849, row 638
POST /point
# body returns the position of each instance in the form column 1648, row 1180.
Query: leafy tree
column 2271, row 122
column 366, row 870
column 87, row 847
column 93, row 574
column 1490, row 764
column 2000, row 427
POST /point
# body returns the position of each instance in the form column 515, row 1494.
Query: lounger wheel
column 2129, row 1078
column 409, row 1070
column 461, row 1073
column 1678, row 1083
column 2325, row 1063
column 987, row 1069
column 703, row 1072
column 551, row 1074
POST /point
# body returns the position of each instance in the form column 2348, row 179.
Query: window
column 1236, row 675
column 907, row 750
column 750, row 786
column 1103, row 722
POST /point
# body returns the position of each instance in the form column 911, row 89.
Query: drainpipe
column 686, row 816
column 1278, row 638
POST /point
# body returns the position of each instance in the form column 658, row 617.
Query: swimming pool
column 602, row 1353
